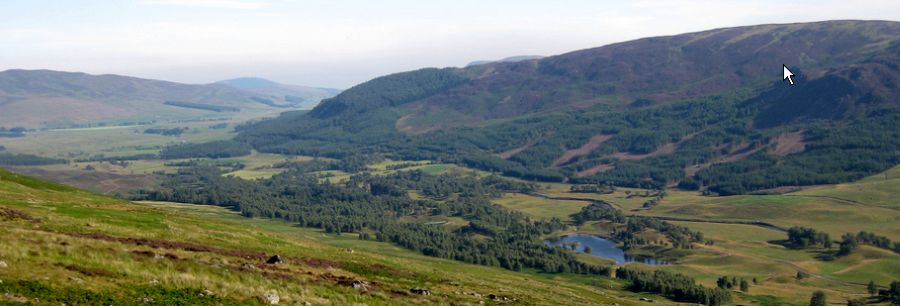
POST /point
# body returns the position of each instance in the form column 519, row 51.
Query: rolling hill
column 703, row 110
column 44, row 98
column 278, row 94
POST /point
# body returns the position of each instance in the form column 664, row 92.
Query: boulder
column 274, row 260
column 270, row 298
column 420, row 291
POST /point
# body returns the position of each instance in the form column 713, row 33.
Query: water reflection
column 601, row 247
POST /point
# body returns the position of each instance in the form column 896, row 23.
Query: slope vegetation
column 62, row 245
column 698, row 110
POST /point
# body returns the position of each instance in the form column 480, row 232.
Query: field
column 62, row 245
column 750, row 251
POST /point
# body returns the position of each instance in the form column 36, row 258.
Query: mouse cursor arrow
column 787, row 74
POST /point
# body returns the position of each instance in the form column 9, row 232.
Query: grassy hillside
column 62, row 245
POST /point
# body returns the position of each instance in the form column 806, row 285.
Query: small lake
column 602, row 248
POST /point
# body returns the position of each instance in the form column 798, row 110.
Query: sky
column 340, row 43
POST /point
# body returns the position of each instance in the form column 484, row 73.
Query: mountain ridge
column 41, row 98
column 684, row 109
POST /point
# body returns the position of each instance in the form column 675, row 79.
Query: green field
column 78, row 245
column 538, row 208
column 748, row 250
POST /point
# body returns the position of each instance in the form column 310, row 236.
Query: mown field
column 62, row 245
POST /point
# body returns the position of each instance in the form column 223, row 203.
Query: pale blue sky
column 340, row 43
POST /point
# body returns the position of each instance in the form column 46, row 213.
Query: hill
column 62, row 245
column 511, row 59
column 705, row 110
column 44, row 98
column 279, row 94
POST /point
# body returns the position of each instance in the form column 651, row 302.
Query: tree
column 873, row 289
column 818, row 299
column 745, row 286
column 856, row 302
column 587, row 250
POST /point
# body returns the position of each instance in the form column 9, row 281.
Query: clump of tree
column 850, row 242
column 725, row 282
column 593, row 188
column 818, row 299
column 598, row 211
column 214, row 149
column 10, row 159
column 803, row 238
column 673, row 285
column 167, row 132
column 891, row 294
column 679, row 236
column 12, row 132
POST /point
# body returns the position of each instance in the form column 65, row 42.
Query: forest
column 11, row 159
column 714, row 134
column 215, row 149
column 375, row 206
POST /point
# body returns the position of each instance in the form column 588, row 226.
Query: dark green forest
column 375, row 207
column 707, row 130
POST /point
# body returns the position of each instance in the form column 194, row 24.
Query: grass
column 56, row 261
column 260, row 165
column 539, row 208
column 747, row 250
column 879, row 190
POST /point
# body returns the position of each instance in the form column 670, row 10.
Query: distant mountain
column 511, row 59
column 45, row 98
column 281, row 94
column 703, row 110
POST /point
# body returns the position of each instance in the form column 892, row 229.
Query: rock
column 154, row 282
column 274, row 260
column 207, row 292
column 3, row 264
column 247, row 267
column 360, row 284
column 145, row 300
column 76, row 279
column 646, row 299
column 15, row 298
column 270, row 298
column 349, row 250
column 420, row 291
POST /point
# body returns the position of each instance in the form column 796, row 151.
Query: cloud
column 227, row 4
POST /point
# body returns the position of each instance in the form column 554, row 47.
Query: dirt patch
column 9, row 214
column 738, row 152
column 509, row 153
column 88, row 271
column 788, row 143
column 586, row 148
column 348, row 281
column 665, row 149
column 321, row 263
column 165, row 244
column 594, row 170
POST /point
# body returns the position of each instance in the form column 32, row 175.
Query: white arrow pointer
column 787, row 74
